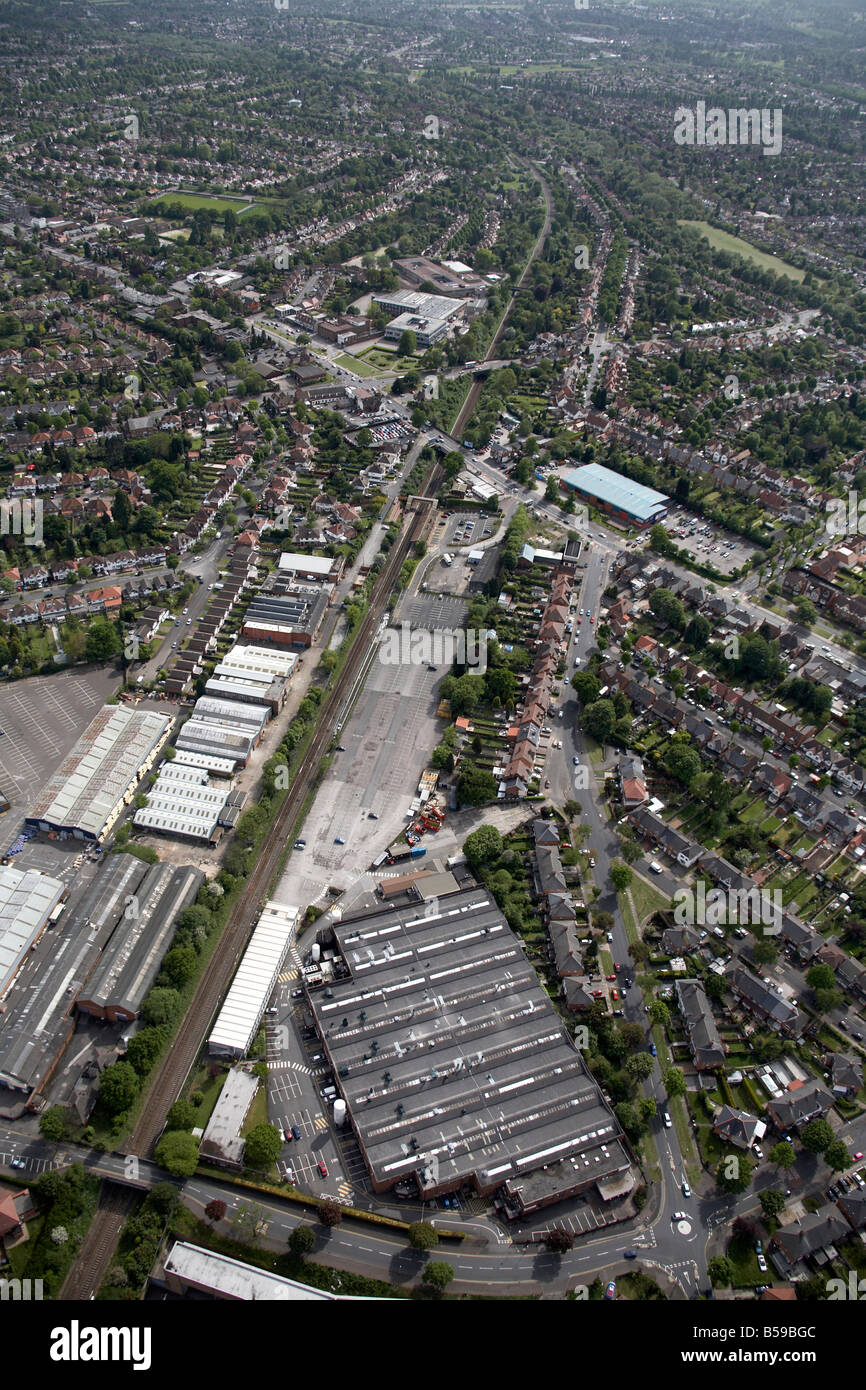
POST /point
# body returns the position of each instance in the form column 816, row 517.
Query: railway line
column 96, row 1253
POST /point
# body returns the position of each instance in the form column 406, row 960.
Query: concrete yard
column 41, row 718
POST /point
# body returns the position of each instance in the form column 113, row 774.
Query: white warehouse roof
column 229, row 1279
column 306, row 564
column 27, row 899
column 253, row 984
column 100, row 770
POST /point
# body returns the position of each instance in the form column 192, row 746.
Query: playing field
column 723, row 241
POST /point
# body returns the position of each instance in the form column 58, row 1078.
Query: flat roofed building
column 257, row 974
column 619, row 496
column 190, row 1267
column 310, row 566
column 27, row 900
column 202, row 736
column 132, row 959
column 290, row 619
column 453, row 1063
column 90, row 788
column 222, row 1142
column 243, row 658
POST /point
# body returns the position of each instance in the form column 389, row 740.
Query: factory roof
column 244, row 1004
column 450, row 1055
column 84, row 792
column 594, row 480
column 27, row 899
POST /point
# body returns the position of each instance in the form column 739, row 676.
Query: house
column 846, row 1074
column 765, row 1003
column 812, row 1237
column 707, row 1048
column 809, row 1101
column 738, row 1127
column 633, row 788
column 679, row 941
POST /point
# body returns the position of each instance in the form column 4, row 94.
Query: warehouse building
column 38, row 1019
column 132, row 958
column 28, row 900
column 217, row 767
column 321, row 569
column 215, row 741
column 625, row 501
column 254, row 983
column 192, row 1269
column 183, row 803
column 290, row 619
column 99, row 777
column 233, row 714
column 453, row 1063
column 222, row 1142
column 247, row 690
column 428, row 316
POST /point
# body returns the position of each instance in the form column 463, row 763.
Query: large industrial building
column 132, row 958
column 184, row 803
column 38, row 1017
column 222, row 1142
column 288, row 619
column 100, row 775
column 192, row 1269
column 239, row 1018
column 625, row 501
column 428, row 316
column 453, row 1064
column 28, row 899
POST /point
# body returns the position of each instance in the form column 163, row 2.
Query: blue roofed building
column 622, row 499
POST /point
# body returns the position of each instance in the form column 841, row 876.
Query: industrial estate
column 433, row 655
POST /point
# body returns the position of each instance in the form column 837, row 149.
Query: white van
column 655, row 867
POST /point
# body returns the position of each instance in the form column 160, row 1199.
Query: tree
column 620, row 875
column 118, row 1088
column 772, row 1201
column 301, row 1240
column 330, row 1212
column 180, row 965
column 782, row 1155
column 483, row 846
column 598, row 720
column 423, row 1235
column 438, row 1275
column 161, row 1006
column 734, row 1173
column 103, row 640
column 720, row 1270
column 816, row 1136
column 408, row 344
column 558, row 1240
column 640, row 1066
column 682, row 762
column 765, row 951
column 658, row 1012
column 587, row 687
column 182, row 1115
column 673, row 1081
column 475, row 785
column 178, row 1152
column 262, row 1146
column 215, row 1210
column 53, row 1123
column 836, row 1156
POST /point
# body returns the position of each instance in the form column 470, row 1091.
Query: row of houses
column 519, row 770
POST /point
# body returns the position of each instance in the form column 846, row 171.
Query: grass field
column 194, row 201
column 355, row 364
column 723, row 241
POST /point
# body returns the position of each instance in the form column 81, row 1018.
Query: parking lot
column 708, row 544
column 435, row 612
column 465, row 529
column 387, row 743
column 294, row 1084
column 41, row 718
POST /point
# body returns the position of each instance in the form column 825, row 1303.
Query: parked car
column 296, row 1133
column 654, row 1050
column 762, row 1264
column 322, row 1167
column 610, row 1291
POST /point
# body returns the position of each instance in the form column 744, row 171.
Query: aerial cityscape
column 433, row 655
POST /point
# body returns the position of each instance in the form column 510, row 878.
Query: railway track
column 94, row 1257
column 96, row 1253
